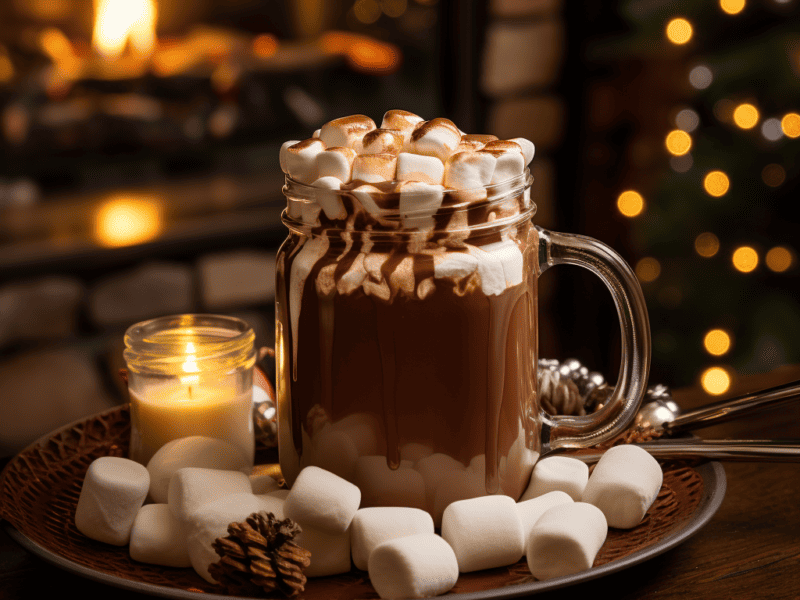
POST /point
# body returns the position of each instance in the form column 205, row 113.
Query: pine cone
column 559, row 395
column 259, row 556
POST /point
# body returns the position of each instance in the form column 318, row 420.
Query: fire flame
column 118, row 22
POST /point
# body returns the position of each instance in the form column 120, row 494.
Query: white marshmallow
column 330, row 552
column 418, row 566
column 309, row 212
column 415, row 451
column 282, row 494
column 157, row 538
column 528, row 149
column 321, row 499
column 484, row 532
column 433, row 468
column 211, row 522
column 190, row 488
column 454, row 265
column 510, row 160
column 373, row 526
column 418, row 203
column 510, row 255
column 272, row 502
column 113, row 491
column 456, row 486
column 363, row 429
column 382, row 141
column 193, row 451
column 346, row 131
column 263, row 484
column 557, row 473
column 490, row 269
column 401, row 120
column 301, row 160
column 417, row 167
column 336, row 162
column 374, row 168
column 335, row 451
column 364, row 194
column 316, row 133
column 624, row 483
column 284, row 154
column 469, row 170
column 437, row 137
column 565, row 540
column 382, row 486
column 529, row 511
column 328, row 199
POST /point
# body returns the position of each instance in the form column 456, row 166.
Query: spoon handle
column 727, row 410
column 728, row 450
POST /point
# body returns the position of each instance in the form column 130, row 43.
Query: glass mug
column 407, row 341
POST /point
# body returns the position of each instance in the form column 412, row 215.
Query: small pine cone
column 260, row 556
column 559, row 395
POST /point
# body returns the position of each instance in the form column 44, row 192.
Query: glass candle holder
column 190, row 375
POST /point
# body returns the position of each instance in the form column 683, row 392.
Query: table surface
column 750, row 549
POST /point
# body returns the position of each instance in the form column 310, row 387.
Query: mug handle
column 580, row 432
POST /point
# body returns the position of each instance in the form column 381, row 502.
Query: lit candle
column 190, row 380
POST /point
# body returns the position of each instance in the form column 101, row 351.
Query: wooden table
column 750, row 549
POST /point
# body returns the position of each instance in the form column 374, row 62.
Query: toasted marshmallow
column 417, row 167
column 284, row 152
column 346, row 131
column 301, row 160
column 401, row 120
column 418, row 203
column 510, row 160
column 328, row 199
column 316, row 133
column 336, row 162
column 373, row 168
column 528, row 149
column 437, row 137
column 474, row 141
column 382, row 141
column 469, row 170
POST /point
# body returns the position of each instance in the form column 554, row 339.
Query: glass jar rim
column 162, row 346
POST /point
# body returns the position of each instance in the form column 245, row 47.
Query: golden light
column 717, row 342
column 373, row 56
column 745, row 116
column 6, row 66
column 394, row 8
column 630, row 203
column 367, row 11
column 648, row 269
column 732, row 7
column 678, row 142
column 773, row 175
column 715, row 381
column 745, row 259
column 119, row 22
column 716, row 183
column 127, row 220
column 779, row 259
column 55, row 44
column 706, row 244
column 791, row 125
column 679, row 31
column 265, row 45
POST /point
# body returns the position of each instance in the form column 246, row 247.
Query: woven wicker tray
column 39, row 491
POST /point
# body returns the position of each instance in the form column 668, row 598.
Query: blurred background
column 139, row 166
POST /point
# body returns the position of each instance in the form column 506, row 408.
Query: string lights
column 678, row 142
column 715, row 381
column 679, row 31
column 745, row 116
column 716, row 183
column 717, row 342
column 630, row 203
column 745, row 259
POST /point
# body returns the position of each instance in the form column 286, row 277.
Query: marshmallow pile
column 418, row 159
column 559, row 525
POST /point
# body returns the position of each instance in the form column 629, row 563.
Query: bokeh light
column 745, row 259
column 687, row 119
column 648, row 269
column 773, row 175
column 732, row 7
column 367, row 11
column 779, row 259
column 706, row 244
column 701, row 77
column 791, row 125
column 717, row 342
column 679, row 31
column 265, row 45
column 745, row 116
column 394, row 8
column 678, row 142
column 715, row 381
column 716, row 183
column 630, row 203
column 127, row 220
column 681, row 164
column 771, row 130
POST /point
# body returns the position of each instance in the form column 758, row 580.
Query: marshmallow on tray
column 330, row 552
column 346, row 131
column 418, row 566
column 157, row 538
column 565, row 540
column 529, row 511
column 113, row 491
column 194, row 451
column 191, row 488
column 374, row 526
column 557, row 473
column 323, row 500
column 484, row 532
column 624, row 484
column 263, row 484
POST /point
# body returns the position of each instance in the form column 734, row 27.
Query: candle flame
column 118, row 22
